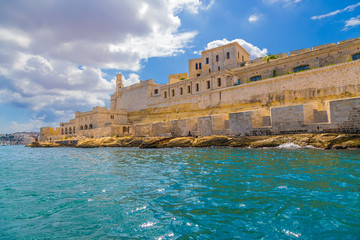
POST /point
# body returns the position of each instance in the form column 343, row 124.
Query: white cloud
column 254, row 18
column 347, row 9
column 287, row 3
column 40, row 52
column 254, row 51
column 132, row 79
column 352, row 22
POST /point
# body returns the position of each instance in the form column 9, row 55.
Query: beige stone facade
column 226, row 93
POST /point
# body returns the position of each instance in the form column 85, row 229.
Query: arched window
column 70, row 130
column 62, row 131
column 81, row 127
column 90, row 126
column 86, row 127
column 65, row 130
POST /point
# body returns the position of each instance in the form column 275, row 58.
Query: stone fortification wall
column 317, row 85
column 344, row 118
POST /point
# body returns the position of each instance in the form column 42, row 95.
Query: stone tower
column 119, row 83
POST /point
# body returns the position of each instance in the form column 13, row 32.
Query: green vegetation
column 269, row 57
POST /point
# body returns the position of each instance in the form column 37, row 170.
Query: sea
column 179, row 193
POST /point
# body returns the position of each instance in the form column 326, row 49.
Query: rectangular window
column 228, row 55
column 218, row 68
column 219, row 82
column 165, row 94
column 181, row 91
column 301, row 68
column 242, row 58
column 355, row 56
column 238, row 55
column 112, row 116
column 173, row 92
column 189, row 89
column 217, row 58
column 156, row 91
column 199, row 65
column 207, row 60
column 208, row 84
column 197, row 87
column 255, row 78
column 196, row 66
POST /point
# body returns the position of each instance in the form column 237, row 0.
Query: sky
column 62, row 56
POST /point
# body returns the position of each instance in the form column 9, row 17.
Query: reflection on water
column 208, row 193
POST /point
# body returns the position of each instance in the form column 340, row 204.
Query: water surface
column 208, row 193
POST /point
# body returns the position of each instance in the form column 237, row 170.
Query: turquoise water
column 210, row 193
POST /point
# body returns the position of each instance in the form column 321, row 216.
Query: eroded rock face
column 323, row 141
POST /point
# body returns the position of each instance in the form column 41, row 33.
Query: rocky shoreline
column 322, row 141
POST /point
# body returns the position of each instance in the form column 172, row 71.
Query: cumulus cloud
column 352, row 22
column 347, row 9
column 254, row 18
column 254, row 51
column 43, row 43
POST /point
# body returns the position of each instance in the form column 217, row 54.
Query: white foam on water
column 147, row 224
column 289, row 146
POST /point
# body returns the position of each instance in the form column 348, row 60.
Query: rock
column 271, row 142
column 181, row 142
column 154, row 142
column 345, row 142
column 212, row 141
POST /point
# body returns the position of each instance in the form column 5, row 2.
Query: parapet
column 323, row 46
column 299, row 51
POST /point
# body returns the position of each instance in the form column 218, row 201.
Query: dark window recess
column 165, row 94
column 197, row 87
column 255, row 78
column 355, row 56
column 207, row 60
column 301, row 68
column 199, row 65
column 156, row 91
column 238, row 82
column 242, row 58
column 238, row 55
column 112, row 116
column 196, row 66
column 173, row 92
column 181, row 91
column 198, row 74
column 208, row 84
column 219, row 82
column 219, row 68
column 228, row 55
column 189, row 89
column 217, row 58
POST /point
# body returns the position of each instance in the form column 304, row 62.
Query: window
column 124, row 130
column 255, row 78
column 86, row 127
column 209, row 70
column 198, row 75
column 228, row 55
column 74, row 130
column 207, row 60
column 90, row 126
column 242, row 58
column 111, row 116
column 189, row 89
column 219, row 82
column 181, row 91
column 208, row 84
column 355, row 56
column 217, row 58
column 199, row 65
column 173, row 92
column 81, row 127
column 238, row 55
column 196, row 66
column 62, row 131
column 156, row 91
column 238, row 82
column 65, row 130
column 218, row 68
column 165, row 94
column 197, row 87
column 301, row 68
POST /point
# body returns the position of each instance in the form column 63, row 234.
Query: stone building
column 227, row 93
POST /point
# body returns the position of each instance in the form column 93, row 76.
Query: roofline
column 232, row 43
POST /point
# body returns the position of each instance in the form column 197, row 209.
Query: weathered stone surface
column 181, row 142
column 212, row 141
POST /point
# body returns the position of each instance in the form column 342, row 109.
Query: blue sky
column 58, row 57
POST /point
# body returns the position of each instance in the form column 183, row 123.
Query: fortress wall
column 184, row 127
column 161, row 129
column 142, row 129
column 345, row 115
column 135, row 98
column 317, row 85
